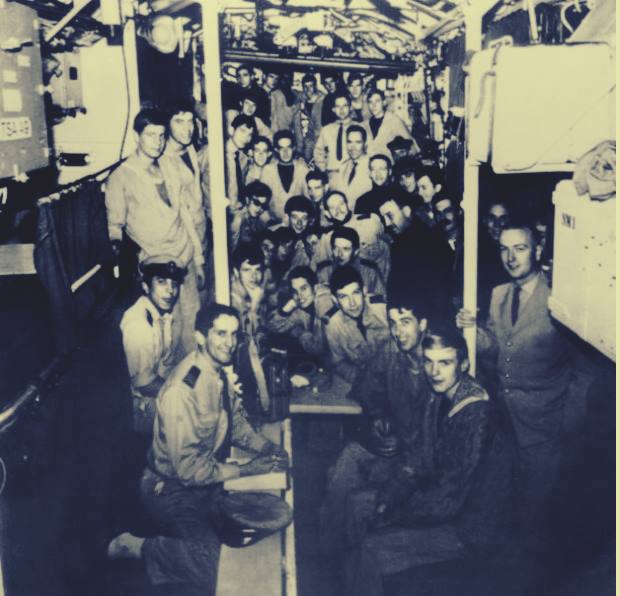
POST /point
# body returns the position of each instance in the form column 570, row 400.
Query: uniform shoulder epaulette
column 149, row 318
column 369, row 263
column 330, row 313
column 322, row 264
column 191, row 377
column 376, row 299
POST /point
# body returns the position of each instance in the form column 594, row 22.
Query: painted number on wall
column 14, row 129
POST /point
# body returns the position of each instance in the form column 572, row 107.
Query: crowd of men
column 345, row 250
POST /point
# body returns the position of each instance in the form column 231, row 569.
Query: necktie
column 239, row 174
column 339, row 143
column 187, row 161
column 352, row 174
column 516, row 298
column 223, row 451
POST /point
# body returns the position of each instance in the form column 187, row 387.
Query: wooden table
column 331, row 400
column 267, row 567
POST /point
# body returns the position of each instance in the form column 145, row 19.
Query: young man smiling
column 358, row 327
column 247, row 223
column 152, row 336
column 536, row 366
column 199, row 417
column 286, row 176
column 392, row 392
column 302, row 316
column 345, row 248
column 330, row 150
column 353, row 179
column 448, row 495
column 143, row 200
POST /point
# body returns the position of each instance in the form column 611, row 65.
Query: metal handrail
column 10, row 413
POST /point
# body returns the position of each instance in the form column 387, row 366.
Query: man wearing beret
column 152, row 334
column 400, row 147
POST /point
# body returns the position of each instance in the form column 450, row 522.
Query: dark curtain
column 71, row 239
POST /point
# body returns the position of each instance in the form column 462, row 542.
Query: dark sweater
column 457, row 470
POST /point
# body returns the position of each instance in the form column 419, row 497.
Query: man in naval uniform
column 199, row 417
column 152, row 335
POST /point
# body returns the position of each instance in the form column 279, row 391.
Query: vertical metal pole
column 473, row 42
column 130, row 56
column 217, row 189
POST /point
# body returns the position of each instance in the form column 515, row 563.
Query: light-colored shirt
column 326, row 148
column 151, row 341
column 190, row 190
column 191, row 425
column 134, row 204
column 350, row 350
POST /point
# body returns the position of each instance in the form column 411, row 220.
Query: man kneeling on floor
column 449, row 496
column 199, row 416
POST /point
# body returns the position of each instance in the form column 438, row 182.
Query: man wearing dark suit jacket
column 535, row 365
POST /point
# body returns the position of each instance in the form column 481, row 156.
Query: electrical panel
column 23, row 132
column 67, row 85
column 583, row 295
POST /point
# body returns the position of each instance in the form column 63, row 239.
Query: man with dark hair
column 281, row 113
column 359, row 106
column 199, row 417
column 284, row 251
column 345, row 249
column 449, row 218
column 392, row 392
column 307, row 116
column 246, row 83
column 317, row 185
column 400, row 149
column 330, row 150
column 383, row 126
column 491, row 271
column 358, row 327
column 143, row 200
column 418, row 255
column 429, row 183
column 449, row 494
column 286, row 176
column 405, row 177
column 184, row 159
column 368, row 227
column 247, row 292
column 237, row 162
column 353, row 179
column 333, row 84
column 152, row 335
column 302, row 311
column 300, row 213
column 260, row 154
column 380, row 172
column 536, row 366
column 247, row 105
column 247, row 222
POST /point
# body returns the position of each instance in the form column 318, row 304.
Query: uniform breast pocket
column 207, row 425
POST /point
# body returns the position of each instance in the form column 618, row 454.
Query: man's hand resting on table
column 275, row 450
column 263, row 464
